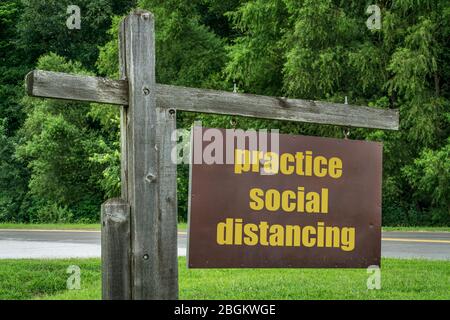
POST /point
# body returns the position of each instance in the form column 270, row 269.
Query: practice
column 235, row 232
column 302, row 164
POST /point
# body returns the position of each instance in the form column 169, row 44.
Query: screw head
column 146, row 91
column 146, row 257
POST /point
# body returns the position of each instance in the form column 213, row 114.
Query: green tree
column 56, row 142
column 322, row 49
column 429, row 176
column 42, row 28
column 13, row 180
column 27, row 30
column 13, row 175
column 313, row 49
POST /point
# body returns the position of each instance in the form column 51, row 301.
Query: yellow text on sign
column 289, row 200
column 300, row 163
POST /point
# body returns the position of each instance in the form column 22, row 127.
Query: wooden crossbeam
column 93, row 89
column 56, row 85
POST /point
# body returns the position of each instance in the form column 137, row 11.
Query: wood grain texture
column 46, row 84
column 151, row 176
column 168, row 205
column 55, row 85
column 248, row 105
column 115, row 239
column 123, row 117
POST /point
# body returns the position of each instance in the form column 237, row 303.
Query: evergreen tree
column 66, row 158
column 56, row 142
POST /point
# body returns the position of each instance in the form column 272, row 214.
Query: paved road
column 16, row 244
column 430, row 245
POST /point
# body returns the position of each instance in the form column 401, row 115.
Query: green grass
column 35, row 279
column 64, row 226
column 182, row 226
column 401, row 279
column 51, row 226
column 418, row 229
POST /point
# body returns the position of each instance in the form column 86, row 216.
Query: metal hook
column 233, row 123
column 346, row 131
column 235, row 88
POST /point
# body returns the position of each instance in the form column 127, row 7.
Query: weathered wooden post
column 116, row 246
column 148, row 173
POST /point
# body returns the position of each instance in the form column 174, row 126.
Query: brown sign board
column 312, row 203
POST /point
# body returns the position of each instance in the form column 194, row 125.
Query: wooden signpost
column 139, row 240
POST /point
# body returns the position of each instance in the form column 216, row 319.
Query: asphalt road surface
column 18, row 244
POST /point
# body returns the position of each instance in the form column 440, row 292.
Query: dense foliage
column 60, row 160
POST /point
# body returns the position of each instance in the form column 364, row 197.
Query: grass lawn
column 51, row 226
column 418, row 229
column 401, row 279
column 182, row 226
column 64, row 226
